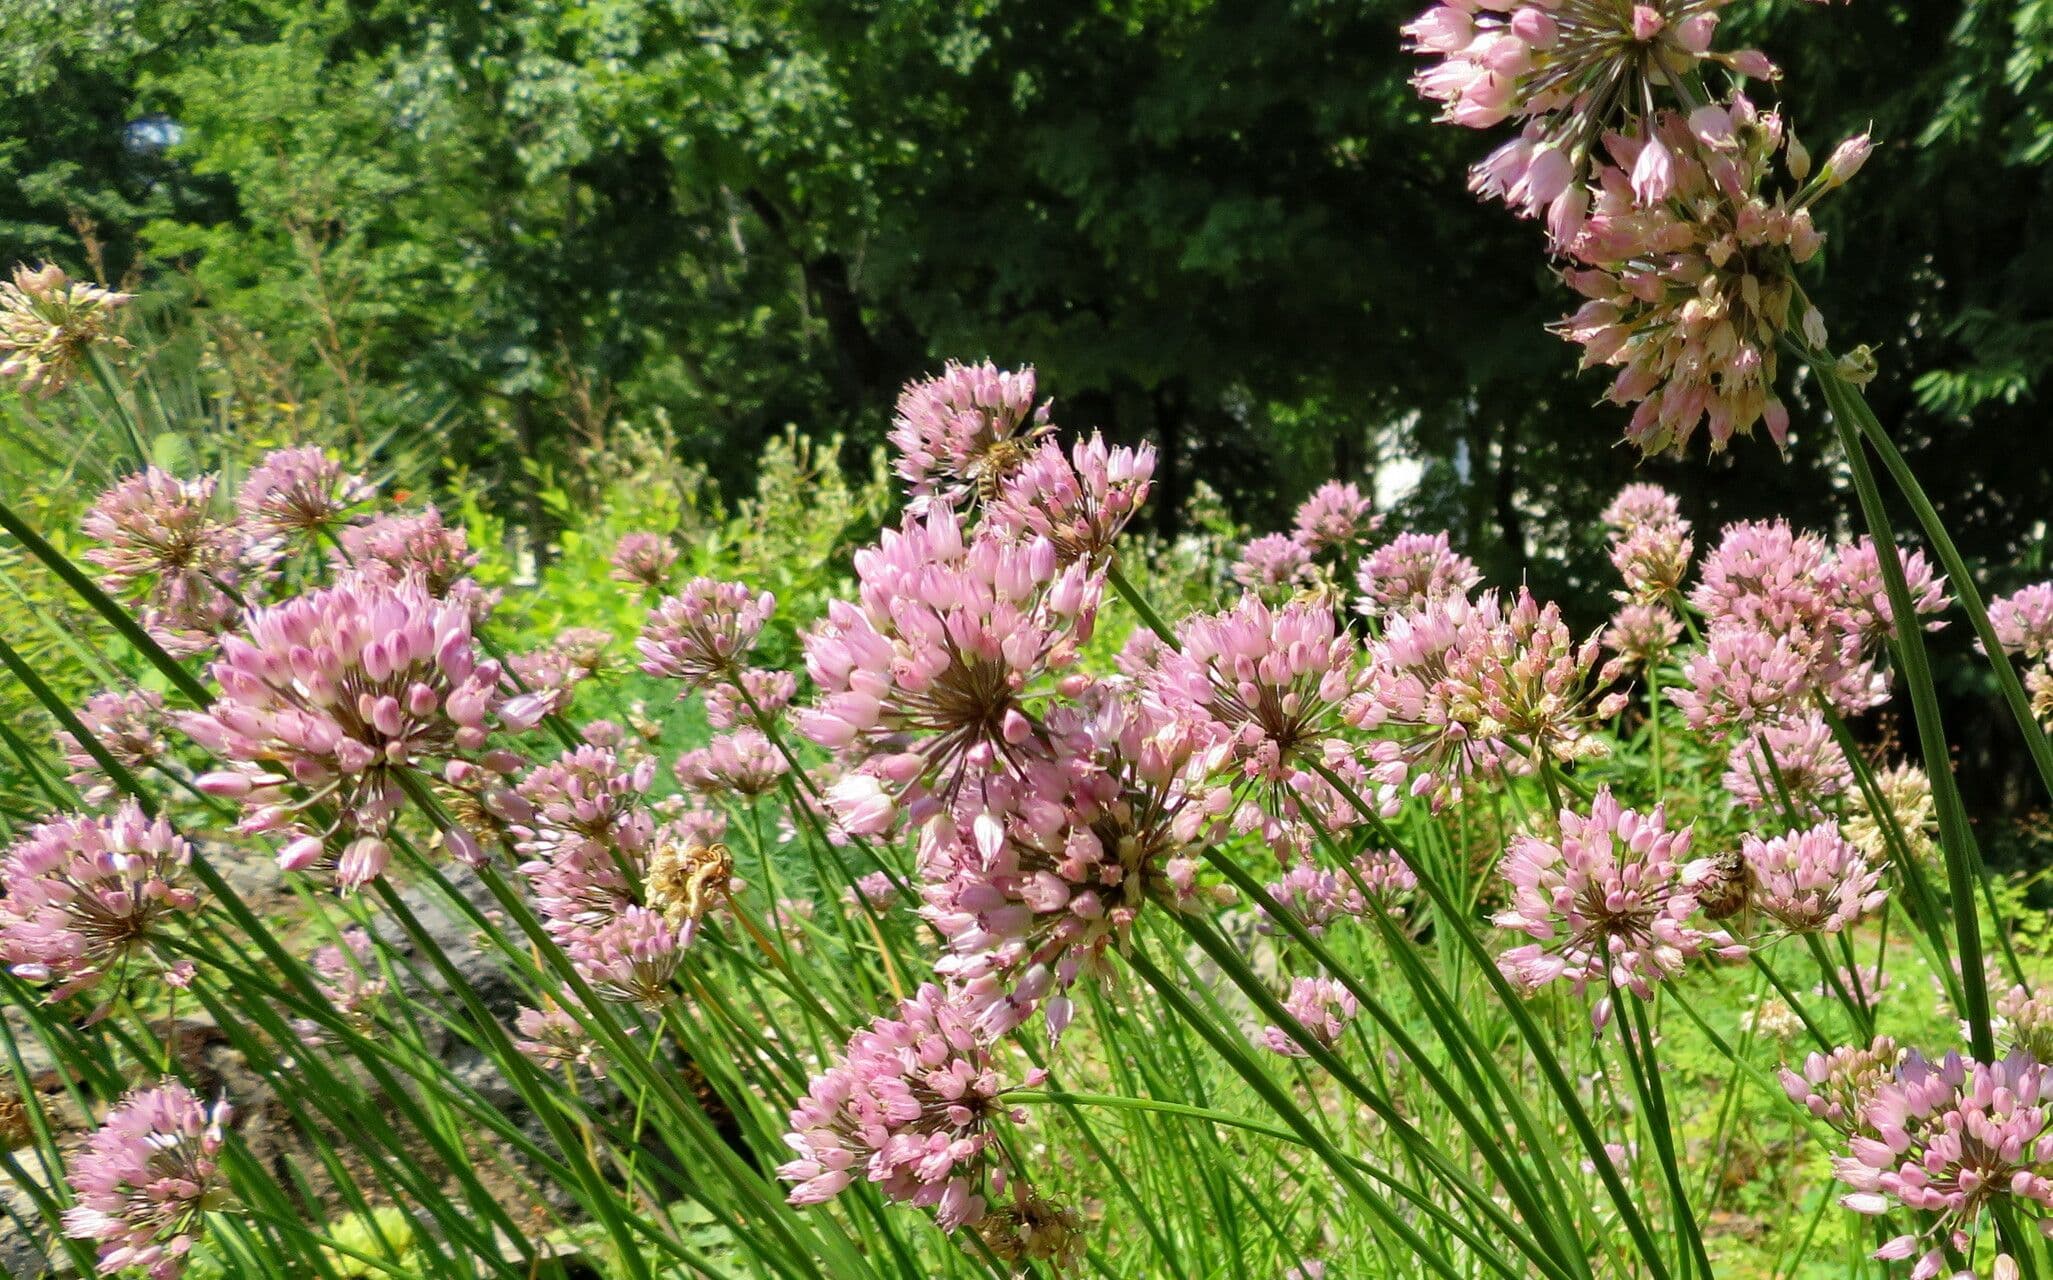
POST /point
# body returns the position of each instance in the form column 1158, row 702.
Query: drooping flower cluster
column 1812, row 881
column 1036, row 884
column 327, row 697
column 299, row 494
column 87, row 897
column 1481, row 688
column 1323, row 1006
column 1788, row 618
column 909, row 1107
column 2023, row 622
column 129, row 726
column 702, row 634
column 49, row 323
column 146, row 1178
column 1412, row 571
column 961, row 435
column 164, row 545
column 555, row 1039
column 922, row 677
column 1606, row 902
column 632, row 957
column 1080, row 501
column 417, row 547
column 643, row 560
column 1953, row 1139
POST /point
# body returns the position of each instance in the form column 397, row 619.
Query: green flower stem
column 1638, row 1044
column 1139, row 604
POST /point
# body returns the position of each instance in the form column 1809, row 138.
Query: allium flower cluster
column 163, row 543
column 2024, row 1021
column 350, row 978
column 1319, row 895
column 1952, row 1139
column 961, row 435
column 631, row 958
column 771, row 691
column 2023, row 622
column 586, row 838
column 1481, row 687
column 1812, row 881
column 1322, row 1006
column 702, row 634
column 1079, row 501
column 922, row 676
column 301, row 494
column 1796, row 760
column 555, row 1039
column 48, row 324
column 129, row 726
column 1036, row 885
column 742, row 763
column 325, row 698
column 1906, row 793
column 1274, row 565
column 1412, row 571
column 643, row 560
column 1334, row 518
column 1606, row 902
column 553, row 672
column 88, row 896
column 1653, row 560
column 1642, row 634
column 1639, row 505
column 1687, row 267
column 146, row 1178
column 910, row 1107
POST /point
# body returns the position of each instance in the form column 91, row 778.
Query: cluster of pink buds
column 2023, row 622
column 1273, row 566
column 961, row 435
column 1789, row 618
column 49, row 324
column 1812, row 881
column 1956, row 1140
column 300, row 494
column 1792, row 766
column 1337, row 517
column 555, row 1039
column 1481, row 688
column 1318, row 895
column 1322, row 1006
column 743, row 763
column 554, row 671
column 701, row 635
column 910, row 1107
column 416, row 547
column 644, row 560
column 328, row 698
column 770, row 691
column 1079, row 501
column 1838, row 1086
column 129, row 726
column 585, row 838
column 1607, row 902
column 86, row 896
column 146, row 1180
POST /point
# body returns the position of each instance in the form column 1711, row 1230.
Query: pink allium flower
column 1639, row 505
column 1765, row 574
column 908, row 1107
column 1411, row 571
column 417, row 548
column 2024, row 1020
column 630, row 958
column 1044, row 878
column 1318, row 895
column 553, row 672
column 1323, row 1006
column 961, row 435
column 1336, row 516
column 923, row 674
column 1812, row 881
column 1744, row 677
column 1080, row 501
column 1653, row 559
column 1271, row 564
column 555, row 1039
column 1607, row 901
column 349, row 977
column 85, row 896
column 701, row 634
column 1687, row 268
column 324, row 698
column 875, row 888
column 129, row 725
column 1951, row 1139
column 2023, row 621
column 49, row 323
column 770, row 690
column 643, row 560
column 587, row 837
column 146, row 1178
column 1837, row 1087
column 743, row 762
column 299, row 494
column 1479, row 687
column 1797, row 758
column 1642, row 634
column 161, row 541
column 1857, row 591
